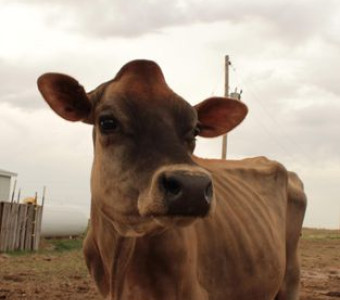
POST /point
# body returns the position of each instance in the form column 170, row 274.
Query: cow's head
column 143, row 175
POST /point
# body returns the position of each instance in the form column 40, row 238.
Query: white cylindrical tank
column 63, row 220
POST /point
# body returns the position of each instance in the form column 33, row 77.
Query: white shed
column 5, row 184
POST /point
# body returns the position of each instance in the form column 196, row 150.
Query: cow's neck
column 163, row 264
column 123, row 252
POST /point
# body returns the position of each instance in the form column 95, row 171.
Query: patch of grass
column 320, row 234
column 52, row 246
column 18, row 253
column 321, row 237
column 61, row 245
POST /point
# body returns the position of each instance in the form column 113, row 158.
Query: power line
column 270, row 116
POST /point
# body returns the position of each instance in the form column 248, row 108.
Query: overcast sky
column 285, row 57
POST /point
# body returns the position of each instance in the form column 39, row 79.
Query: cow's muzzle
column 179, row 190
column 186, row 194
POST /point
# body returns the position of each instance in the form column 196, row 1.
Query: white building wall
column 5, row 187
column 5, row 184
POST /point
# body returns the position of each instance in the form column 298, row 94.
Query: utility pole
column 226, row 94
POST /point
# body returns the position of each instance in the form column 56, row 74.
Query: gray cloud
column 18, row 85
column 317, row 129
column 293, row 20
column 285, row 51
column 322, row 70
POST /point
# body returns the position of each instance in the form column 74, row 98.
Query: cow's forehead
column 141, row 83
column 140, row 79
column 143, row 70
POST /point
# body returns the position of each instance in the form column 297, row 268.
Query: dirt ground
column 320, row 263
column 58, row 270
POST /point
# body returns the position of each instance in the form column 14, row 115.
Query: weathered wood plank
column 21, row 215
column 20, row 226
column 29, row 227
column 14, row 225
column 1, row 206
column 37, row 228
column 5, row 224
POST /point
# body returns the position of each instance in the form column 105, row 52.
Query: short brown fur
column 246, row 246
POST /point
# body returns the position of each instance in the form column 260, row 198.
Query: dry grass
column 58, row 270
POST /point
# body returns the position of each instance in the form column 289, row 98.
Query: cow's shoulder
column 254, row 168
column 256, row 183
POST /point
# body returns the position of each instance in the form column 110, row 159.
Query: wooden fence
column 20, row 226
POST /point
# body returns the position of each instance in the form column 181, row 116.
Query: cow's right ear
column 218, row 115
column 65, row 96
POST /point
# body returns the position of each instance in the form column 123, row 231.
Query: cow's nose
column 186, row 194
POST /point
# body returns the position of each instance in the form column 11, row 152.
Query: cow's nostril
column 208, row 192
column 186, row 193
column 171, row 185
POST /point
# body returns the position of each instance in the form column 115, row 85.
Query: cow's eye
column 108, row 124
column 196, row 131
column 191, row 138
column 191, row 135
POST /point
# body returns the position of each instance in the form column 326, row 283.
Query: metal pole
column 19, row 194
column 226, row 94
column 43, row 196
column 14, row 187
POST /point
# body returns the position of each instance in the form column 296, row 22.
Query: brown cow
column 168, row 225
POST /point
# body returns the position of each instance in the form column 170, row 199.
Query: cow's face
column 143, row 176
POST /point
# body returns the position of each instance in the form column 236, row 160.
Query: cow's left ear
column 65, row 96
column 219, row 115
